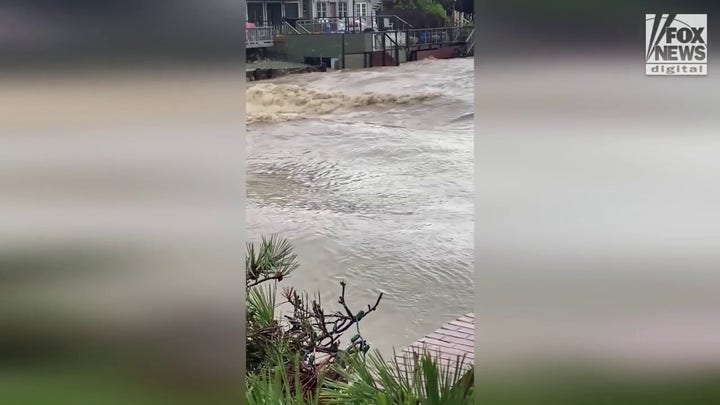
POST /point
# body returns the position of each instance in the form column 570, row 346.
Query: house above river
column 346, row 34
column 272, row 13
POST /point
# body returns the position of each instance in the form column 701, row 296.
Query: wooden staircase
column 470, row 43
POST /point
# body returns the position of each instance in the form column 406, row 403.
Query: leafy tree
column 465, row 6
column 429, row 7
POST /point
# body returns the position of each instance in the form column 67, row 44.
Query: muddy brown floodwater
column 369, row 174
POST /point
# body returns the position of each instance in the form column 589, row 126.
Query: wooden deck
column 456, row 338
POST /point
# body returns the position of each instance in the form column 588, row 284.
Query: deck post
column 343, row 50
column 384, row 50
column 397, row 50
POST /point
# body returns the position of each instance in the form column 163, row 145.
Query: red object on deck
column 249, row 25
column 440, row 53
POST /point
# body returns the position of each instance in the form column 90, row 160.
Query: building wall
column 329, row 46
column 356, row 61
column 378, row 57
column 358, row 43
column 403, row 55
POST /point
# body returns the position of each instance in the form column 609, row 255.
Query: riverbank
column 270, row 69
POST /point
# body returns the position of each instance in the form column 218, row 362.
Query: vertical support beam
column 343, row 50
column 265, row 16
column 351, row 4
column 397, row 50
column 384, row 49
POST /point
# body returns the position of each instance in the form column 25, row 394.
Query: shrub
column 281, row 363
column 373, row 380
column 308, row 331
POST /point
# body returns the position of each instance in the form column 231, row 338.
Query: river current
column 369, row 173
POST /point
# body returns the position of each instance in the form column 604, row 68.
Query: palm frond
column 274, row 259
column 276, row 385
column 371, row 379
column 261, row 304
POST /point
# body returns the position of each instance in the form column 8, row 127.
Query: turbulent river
column 369, row 174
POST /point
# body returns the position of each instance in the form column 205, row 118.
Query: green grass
column 83, row 385
column 584, row 387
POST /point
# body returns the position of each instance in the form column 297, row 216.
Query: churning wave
column 464, row 118
column 270, row 102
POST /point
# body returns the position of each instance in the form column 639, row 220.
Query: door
column 274, row 11
column 255, row 13
column 332, row 10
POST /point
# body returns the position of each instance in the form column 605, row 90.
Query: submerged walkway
column 273, row 64
column 270, row 69
column 456, row 338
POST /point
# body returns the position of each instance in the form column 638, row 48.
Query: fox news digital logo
column 676, row 44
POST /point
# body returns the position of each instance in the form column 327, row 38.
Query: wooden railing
column 335, row 25
column 437, row 36
column 258, row 37
column 470, row 40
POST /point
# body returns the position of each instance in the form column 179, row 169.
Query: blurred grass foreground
column 121, row 195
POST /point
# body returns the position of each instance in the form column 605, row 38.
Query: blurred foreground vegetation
column 47, row 359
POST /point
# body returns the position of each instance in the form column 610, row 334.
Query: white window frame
column 321, row 12
column 343, row 9
column 361, row 9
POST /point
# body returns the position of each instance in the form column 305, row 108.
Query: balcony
column 258, row 37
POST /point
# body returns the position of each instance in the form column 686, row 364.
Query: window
column 342, row 9
column 321, row 11
column 361, row 9
column 292, row 10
